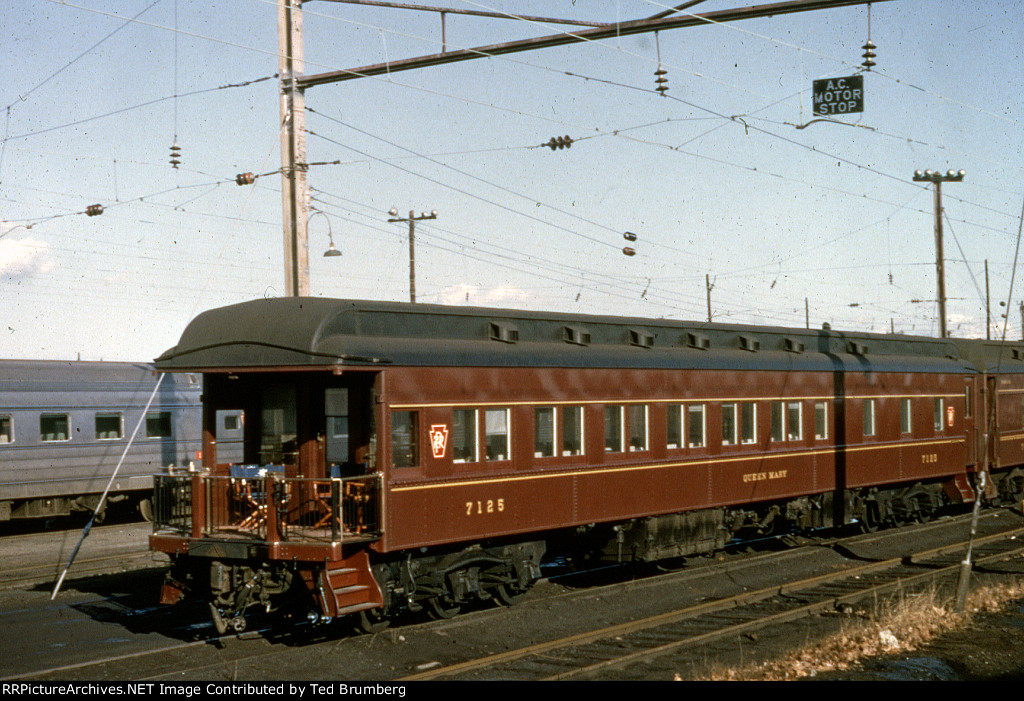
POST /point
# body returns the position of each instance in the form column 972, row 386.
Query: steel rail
column 725, row 604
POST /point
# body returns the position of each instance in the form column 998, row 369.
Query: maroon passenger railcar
column 405, row 456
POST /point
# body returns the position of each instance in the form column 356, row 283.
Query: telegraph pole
column 295, row 208
column 708, row 285
column 412, row 219
column 937, row 178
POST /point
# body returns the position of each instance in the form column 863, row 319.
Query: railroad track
column 588, row 655
column 38, row 558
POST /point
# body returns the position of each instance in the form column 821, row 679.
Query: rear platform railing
column 268, row 507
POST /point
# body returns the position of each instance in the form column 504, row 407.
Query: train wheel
column 869, row 517
column 440, row 607
column 373, row 621
column 508, row 594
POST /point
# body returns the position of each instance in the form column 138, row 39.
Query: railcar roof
column 316, row 333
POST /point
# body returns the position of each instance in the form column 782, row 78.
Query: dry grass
column 898, row 626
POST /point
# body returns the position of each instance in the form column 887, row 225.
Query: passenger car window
column 748, row 422
column 674, row 433
column 158, row 424
column 821, row 420
column 54, row 427
column 108, row 426
column 614, row 417
column 544, row 432
column 464, row 432
column 729, row 424
column 778, row 421
column 637, row 427
column 794, row 421
column 6, row 429
column 905, row 420
column 695, row 425
column 405, row 451
column 572, row 430
column 869, row 417
column 496, row 434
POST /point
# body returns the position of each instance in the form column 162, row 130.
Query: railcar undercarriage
column 440, row 582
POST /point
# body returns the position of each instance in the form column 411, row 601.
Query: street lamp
column 412, row 219
column 937, row 178
column 331, row 251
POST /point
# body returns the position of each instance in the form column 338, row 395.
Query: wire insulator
column 869, row 54
column 661, row 82
column 175, row 155
column 245, row 179
column 94, row 210
column 558, row 142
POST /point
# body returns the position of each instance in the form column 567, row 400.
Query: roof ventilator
column 857, row 348
column 698, row 341
column 504, row 332
column 749, row 343
column 643, row 339
column 792, row 345
column 576, row 335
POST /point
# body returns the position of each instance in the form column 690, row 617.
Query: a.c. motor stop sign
column 839, row 95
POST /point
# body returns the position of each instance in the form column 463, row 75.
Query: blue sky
column 715, row 177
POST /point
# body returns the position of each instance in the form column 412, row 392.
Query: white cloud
column 23, row 258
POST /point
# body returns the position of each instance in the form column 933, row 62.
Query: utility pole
column 988, row 307
column 295, row 207
column 412, row 219
column 708, row 285
column 937, row 178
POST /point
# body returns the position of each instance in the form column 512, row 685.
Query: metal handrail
column 273, row 507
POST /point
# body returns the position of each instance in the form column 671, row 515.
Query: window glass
column 748, row 422
column 572, row 430
column 54, row 427
column 695, row 425
column 158, row 425
column 278, row 434
column 905, row 423
column 613, row 434
column 869, row 417
column 674, row 435
column 794, row 421
column 729, row 424
column 821, row 420
column 108, row 426
column 6, row 429
column 778, row 421
column 496, row 433
column 544, row 432
column 464, row 431
column 938, row 413
column 405, row 441
column 336, row 411
column 637, row 427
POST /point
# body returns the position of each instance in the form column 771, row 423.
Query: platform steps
column 347, row 586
